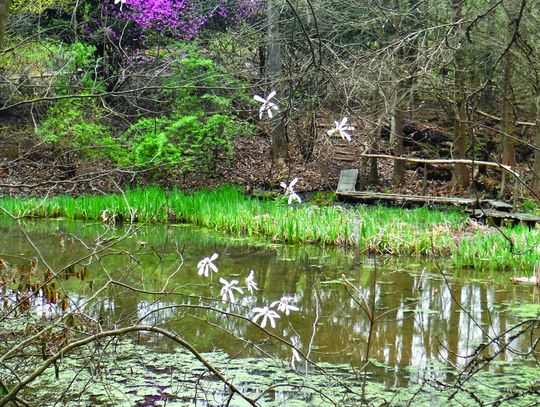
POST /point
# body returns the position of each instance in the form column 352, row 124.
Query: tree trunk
column 374, row 148
column 279, row 137
column 460, row 175
column 4, row 16
column 508, row 118
column 536, row 167
column 396, row 140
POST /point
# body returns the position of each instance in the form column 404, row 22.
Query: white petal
column 343, row 121
column 269, row 111
column 223, row 281
column 214, row 256
column 272, row 322
column 201, row 271
column 259, row 99
column 293, row 182
column 256, row 317
column 274, row 304
column 213, row 267
column 271, row 95
column 263, row 323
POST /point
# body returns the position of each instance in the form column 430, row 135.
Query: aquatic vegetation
column 377, row 229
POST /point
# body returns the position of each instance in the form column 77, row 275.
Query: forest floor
column 30, row 167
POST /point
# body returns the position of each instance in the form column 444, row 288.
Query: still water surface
column 422, row 311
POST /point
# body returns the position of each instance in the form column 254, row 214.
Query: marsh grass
column 382, row 230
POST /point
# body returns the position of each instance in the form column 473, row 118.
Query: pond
column 375, row 330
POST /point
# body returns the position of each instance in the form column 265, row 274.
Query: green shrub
column 77, row 123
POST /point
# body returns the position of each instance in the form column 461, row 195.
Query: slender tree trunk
column 460, row 176
column 396, row 139
column 536, row 167
column 279, row 137
column 508, row 118
column 4, row 16
column 374, row 148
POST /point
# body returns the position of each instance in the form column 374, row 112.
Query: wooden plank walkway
column 502, row 218
column 374, row 197
column 493, row 211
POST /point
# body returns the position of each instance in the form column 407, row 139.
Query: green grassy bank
column 416, row 232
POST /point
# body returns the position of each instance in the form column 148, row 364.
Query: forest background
column 162, row 92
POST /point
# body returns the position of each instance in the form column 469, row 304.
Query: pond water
column 412, row 319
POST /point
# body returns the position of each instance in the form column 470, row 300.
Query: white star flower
column 289, row 190
column 295, row 340
column 122, row 2
column 342, row 129
column 206, row 267
column 228, row 289
column 266, row 106
column 267, row 314
column 284, row 305
column 250, row 282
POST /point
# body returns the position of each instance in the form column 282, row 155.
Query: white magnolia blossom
column 295, row 340
column 228, row 289
column 266, row 106
column 289, row 191
column 284, row 305
column 250, row 282
column 122, row 2
column 206, row 267
column 341, row 128
column 267, row 315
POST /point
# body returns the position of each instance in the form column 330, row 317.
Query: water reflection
column 419, row 316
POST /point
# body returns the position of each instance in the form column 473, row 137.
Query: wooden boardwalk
column 491, row 211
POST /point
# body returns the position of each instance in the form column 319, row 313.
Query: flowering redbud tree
column 182, row 18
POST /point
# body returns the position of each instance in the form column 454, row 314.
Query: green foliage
column 372, row 229
column 77, row 123
column 79, row 71
column 323, row 198
column 190, row 142
column 148, row 143
column 192, row 137
column 199, row 130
